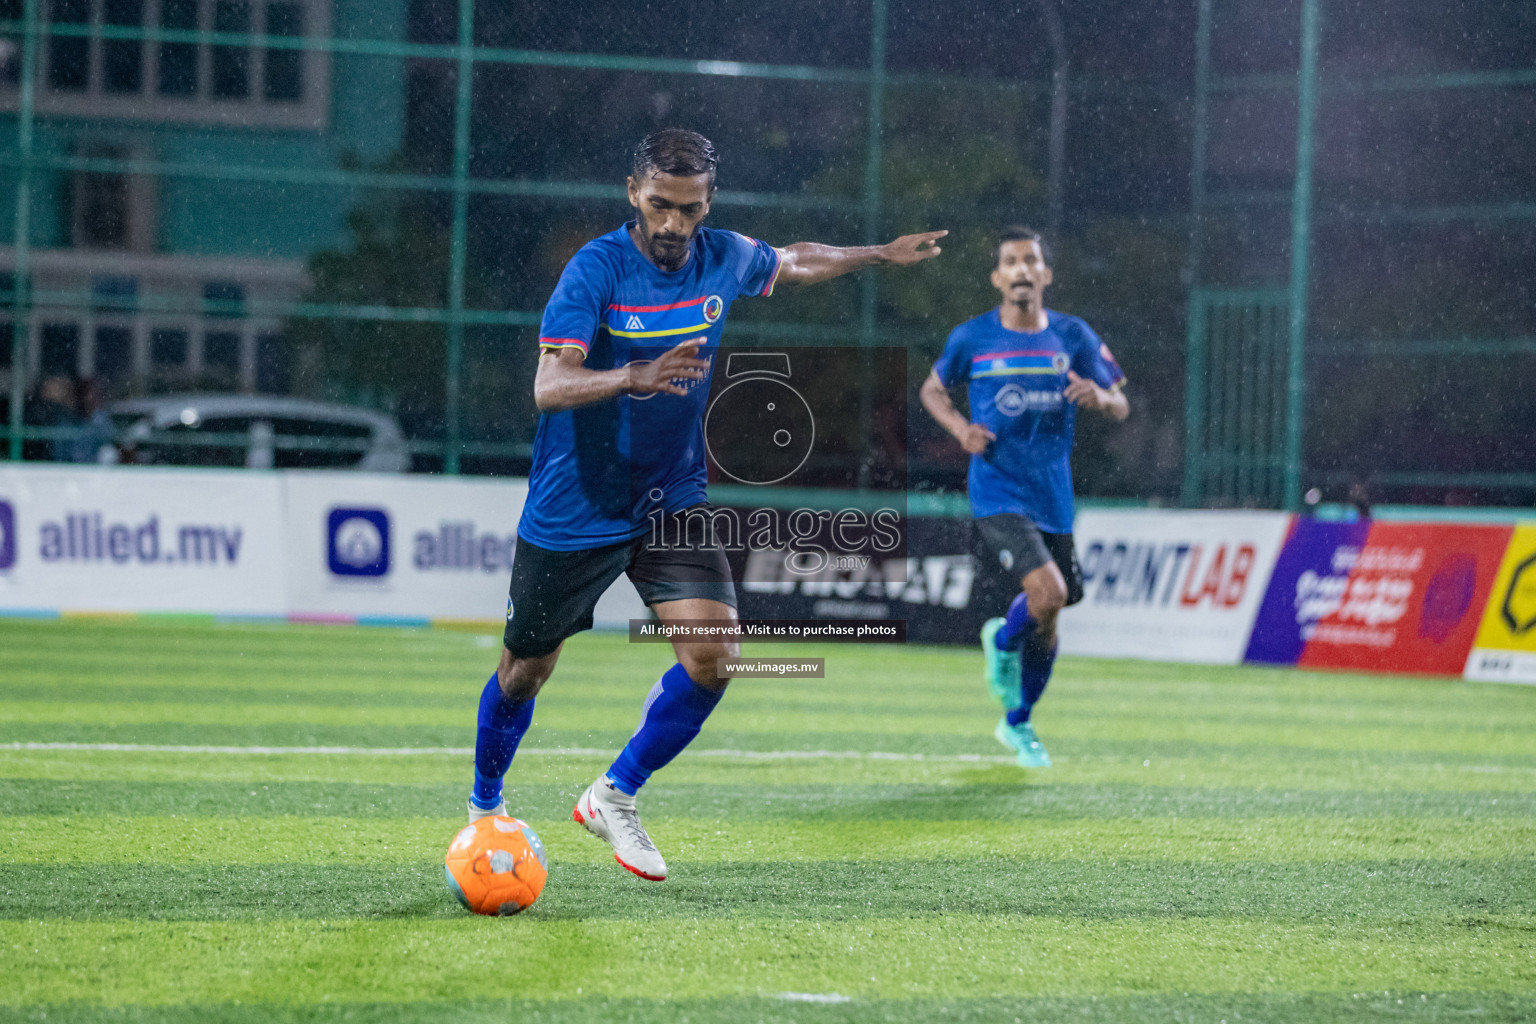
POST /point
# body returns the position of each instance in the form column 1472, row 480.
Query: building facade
column 178, row 184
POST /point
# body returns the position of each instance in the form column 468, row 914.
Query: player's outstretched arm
column 562, row 382
column 973, row 437
column 811, row 262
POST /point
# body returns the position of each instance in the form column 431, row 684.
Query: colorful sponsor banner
column 411, row 546
column 1504, row 650
column 1308, row 582
column 1386, row 597
column 1171, row 585
column 140, row 540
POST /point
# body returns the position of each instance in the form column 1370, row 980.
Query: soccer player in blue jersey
column 623, row 375
column 1027, row 370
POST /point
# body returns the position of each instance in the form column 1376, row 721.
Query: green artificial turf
column 1212, row 844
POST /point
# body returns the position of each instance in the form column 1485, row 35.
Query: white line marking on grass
column 738, row 755
column 814, row 997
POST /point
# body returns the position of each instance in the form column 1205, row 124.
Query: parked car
column 259, row 432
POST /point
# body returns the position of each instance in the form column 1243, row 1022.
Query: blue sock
column 673, row 714
column 1035, row 668
column 502, row 724
column 1016, row 625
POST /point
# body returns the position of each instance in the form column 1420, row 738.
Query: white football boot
column 610, row 815
column 476, row 813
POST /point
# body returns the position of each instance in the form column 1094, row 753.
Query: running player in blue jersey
column 1028, row 370
column 622, row 380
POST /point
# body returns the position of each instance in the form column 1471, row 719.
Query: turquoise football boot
column 1003, row 668
column 1021, row 739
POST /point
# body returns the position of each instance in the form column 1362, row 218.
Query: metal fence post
column 869, row 283
column 20, row 276
column 454, row 360
column 1301, row 240
column 1193, row 493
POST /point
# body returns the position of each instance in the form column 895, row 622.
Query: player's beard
column 669, row 252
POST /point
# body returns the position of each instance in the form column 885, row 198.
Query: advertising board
column 140, row 540
column 1171, row 585
column 1385, row 597
column 410, row 547
column 1504, row 649
column 931, row 583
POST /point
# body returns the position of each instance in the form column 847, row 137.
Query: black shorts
column 552, row 593
column 1013, row 545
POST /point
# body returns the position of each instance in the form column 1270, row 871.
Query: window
column 231, row 64
column 83, row 72
column 111, row 209
column 319, row 458
column 285, row 68
column 114, row 347
column 115, row 293
column 185, row 454
column 178, row 61
column 221, row 356
column 61, row 349
column 10, row 44
column 122, row 60
column 271, row 363
column 102, row 213
column 69, row 66
column 222, row 293
column 168, row 349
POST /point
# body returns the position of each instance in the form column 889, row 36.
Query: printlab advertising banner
column 402, row 547
column 140, row 540
column 1504, row 650
column 1171, row 585
column 1381, row 597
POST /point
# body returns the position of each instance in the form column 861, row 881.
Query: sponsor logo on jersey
column 1012, row 400
column 358, row 542
column 714, row 306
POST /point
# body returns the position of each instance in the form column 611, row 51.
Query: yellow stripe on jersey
column 656, row 334
column 1016, row 370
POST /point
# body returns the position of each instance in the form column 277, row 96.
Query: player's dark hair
column 1020, row 233
column 675, row 151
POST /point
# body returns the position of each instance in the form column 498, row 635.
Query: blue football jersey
column 599, row 471
column 1016, row 383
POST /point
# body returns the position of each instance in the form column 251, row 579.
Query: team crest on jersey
column 713, row 307
column 1059, row 362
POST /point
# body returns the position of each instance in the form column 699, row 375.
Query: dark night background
column 971, row 156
